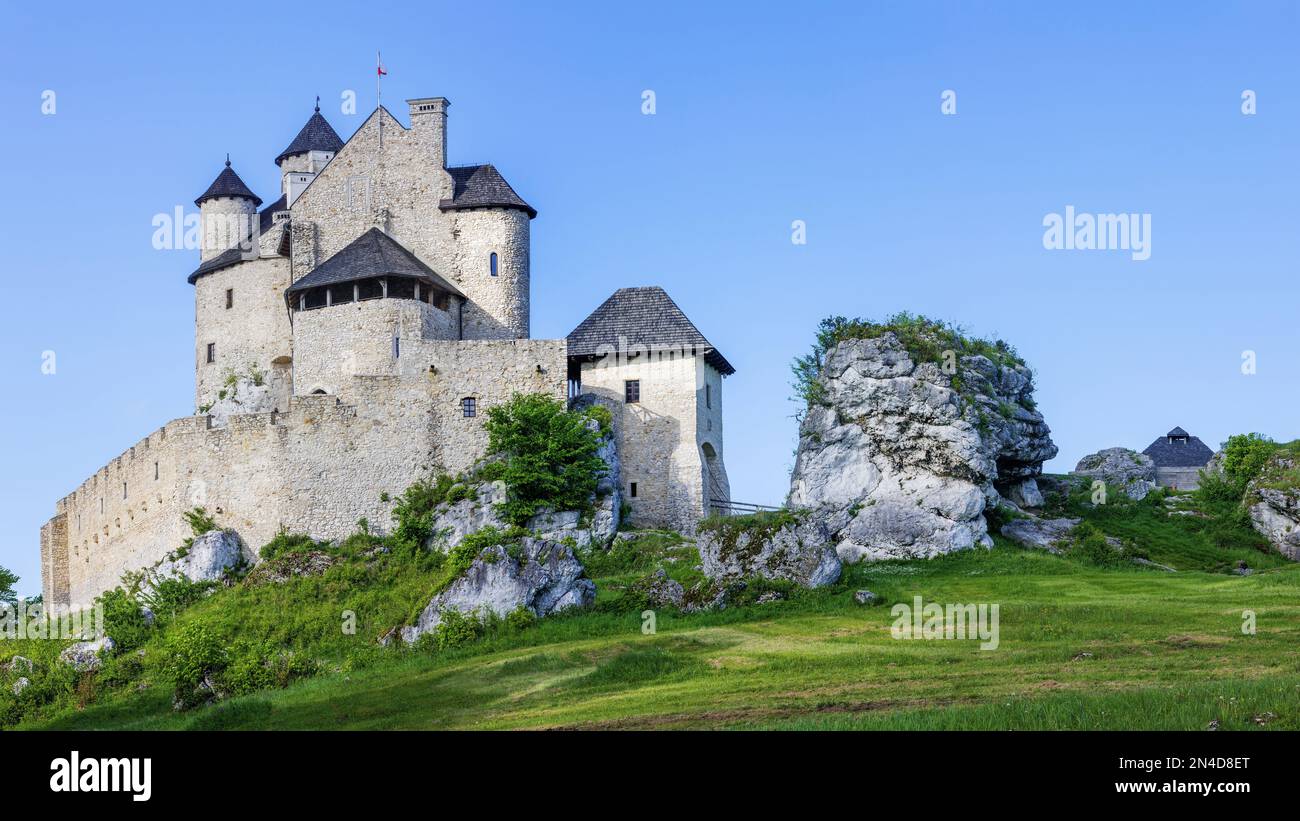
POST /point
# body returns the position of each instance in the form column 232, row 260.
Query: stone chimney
column 429, row 121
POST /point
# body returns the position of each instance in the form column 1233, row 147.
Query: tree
column 7, row 581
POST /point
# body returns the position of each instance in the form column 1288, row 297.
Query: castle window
column 340, row 294
column 401, row 288
column 230, row 298
column 708, row 396
column 632, row 391
column 492, row 263
column 315, row 298
column 632, row 490
column 124, row 490
column 370, row 289
column 397, row 347
column 212, row 352
column 155, row 471
column 469, row 407
column 441, row 300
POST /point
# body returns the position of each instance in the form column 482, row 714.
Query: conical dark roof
column 482, row 186
column 228, row 184
column 316, row 135
column 373, row 254
column 645, row 317
column 1177, row 431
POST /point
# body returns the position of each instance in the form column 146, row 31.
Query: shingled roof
column 641, row 317
column 482, row 186
column 316, row 135
column 1192, row 453
column 373, row 254
column 228, row 184
column 266, row 222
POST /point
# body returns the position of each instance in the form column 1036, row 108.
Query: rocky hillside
column 912, row 430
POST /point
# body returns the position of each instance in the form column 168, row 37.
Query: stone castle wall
column 316, row 468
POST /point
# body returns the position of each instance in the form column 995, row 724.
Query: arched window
column 492, row 263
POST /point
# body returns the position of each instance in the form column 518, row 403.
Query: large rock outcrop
column 1123, row 470
column 1273, row 500
column 546, row 577
column 910, row 456
column 796, row 547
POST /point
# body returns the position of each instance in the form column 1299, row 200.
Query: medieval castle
column 349, row 337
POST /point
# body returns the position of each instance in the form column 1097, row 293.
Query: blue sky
column 827, row 113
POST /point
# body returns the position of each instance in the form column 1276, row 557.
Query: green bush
column 254, row 666
column 124, row 620
column 456, row 629
column 547, row 456
column 169, row 596
column 192, row 654
column 602, row 416
column 285, row 542
column 1245, row 455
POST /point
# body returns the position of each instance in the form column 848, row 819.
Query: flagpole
column 379, row 99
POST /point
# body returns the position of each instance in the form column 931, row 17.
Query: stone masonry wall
column 253, row 331
column 398, row 188
column 392, row 177
column 317, row 468
column 337, row 342
column 660, row 445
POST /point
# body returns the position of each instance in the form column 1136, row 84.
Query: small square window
column 632, row 390
column 469, row 406
column 230, row 298
column 212, row 352
column 632, row 490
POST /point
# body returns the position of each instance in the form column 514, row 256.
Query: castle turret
column 315, row 145
column 228, row 211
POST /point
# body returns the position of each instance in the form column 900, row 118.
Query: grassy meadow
column 1081, row 646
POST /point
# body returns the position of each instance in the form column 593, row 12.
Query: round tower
column 228, row 213
column 492, row 254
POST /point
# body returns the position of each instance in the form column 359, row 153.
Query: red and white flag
column 380, row 66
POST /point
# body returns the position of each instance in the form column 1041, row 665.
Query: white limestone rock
column 1275, row 515
column 209, row 558
column 660, row 590
column 908, row 461
column 545, row 579
column 1041, row 533
column 1123, row 470
column 21, row 684
column 801, row 551
column 452, row 523
column 85, row 656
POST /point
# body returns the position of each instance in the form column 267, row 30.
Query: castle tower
column 315, row 145
column 490, row 223
column 228, row 213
